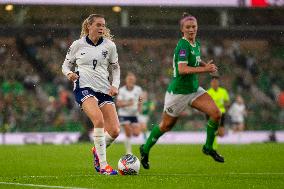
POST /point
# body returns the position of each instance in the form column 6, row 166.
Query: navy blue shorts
column 127, row 119
column 81, row 94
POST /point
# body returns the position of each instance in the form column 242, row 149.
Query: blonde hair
column 89, row 21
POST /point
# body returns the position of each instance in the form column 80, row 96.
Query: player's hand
column 72, row 76
column 211, row 68
column 209, row 62
column 113, row 91
column 130, row 102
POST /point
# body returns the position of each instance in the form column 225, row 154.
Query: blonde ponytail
column 90, row 20
column 84, row 30
column 108, row 35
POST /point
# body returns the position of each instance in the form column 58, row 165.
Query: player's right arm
column 184, row 69
column 120, row 102
column 68, row 62
column 183, row 53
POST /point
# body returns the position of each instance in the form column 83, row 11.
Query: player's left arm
column 115, row 69
column 227, row 99
column 203, row 63
column 140, row 102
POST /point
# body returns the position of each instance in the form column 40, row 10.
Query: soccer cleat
column 213, row 153
column 108, row 170
column 144, row 158
column 96, row 160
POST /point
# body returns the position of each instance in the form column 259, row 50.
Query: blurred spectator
column 237, row 113
column 281, row 105
column 255, row 74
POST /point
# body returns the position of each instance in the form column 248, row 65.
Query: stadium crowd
column 35, row 96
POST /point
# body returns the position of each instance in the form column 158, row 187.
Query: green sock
column 215, row 143
column 152, row 139
column 211, row 128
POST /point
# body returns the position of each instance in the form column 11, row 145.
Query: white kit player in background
column 91, row 55
column 237, row 113
column 129, row 102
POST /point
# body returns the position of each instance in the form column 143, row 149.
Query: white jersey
column 237, row 112
column 91, row 63
column 128, row 95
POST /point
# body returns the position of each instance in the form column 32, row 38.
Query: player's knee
column 114, row 133
column 98, row 123
column 216, row 115
column 165, row 126
column 221, row 133
column 136, row 134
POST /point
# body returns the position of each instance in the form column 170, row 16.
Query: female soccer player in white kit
column 92, row 54
column 129, row 102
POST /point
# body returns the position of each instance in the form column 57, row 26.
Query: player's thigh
column 205, row 104
column 92, row 110
column 143, row 126
column 175, row 103
column 136, row 128
column 221, row 128
column 221, row 131
column 168, row 122
column 111, row 121
column 241, row 127
column 128, row 129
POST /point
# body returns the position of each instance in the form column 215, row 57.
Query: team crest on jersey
column 85, row 92
column 182, row 53
column 104, row 53
column 170, row 110
column 68, row 52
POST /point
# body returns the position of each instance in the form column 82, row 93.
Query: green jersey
column 147, row 107
column 189, row 54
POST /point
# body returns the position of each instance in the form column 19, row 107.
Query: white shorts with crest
column 176, row 103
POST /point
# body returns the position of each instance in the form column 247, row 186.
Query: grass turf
column 172, row 166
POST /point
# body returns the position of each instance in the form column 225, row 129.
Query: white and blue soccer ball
column 129, row 164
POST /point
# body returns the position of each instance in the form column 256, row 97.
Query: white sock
column 128, row 145
column 239, row 136
column 109, row 139
column 100, row 144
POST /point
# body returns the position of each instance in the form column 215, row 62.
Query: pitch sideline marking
column 39, row 185
column 198, row 174
column 156, row 174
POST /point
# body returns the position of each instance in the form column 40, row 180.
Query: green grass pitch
column 172, row 166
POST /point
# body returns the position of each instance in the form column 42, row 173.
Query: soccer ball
column 128, row 165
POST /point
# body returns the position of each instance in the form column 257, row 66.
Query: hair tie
column 187, row 18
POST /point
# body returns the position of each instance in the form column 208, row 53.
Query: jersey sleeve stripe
column 182, row 62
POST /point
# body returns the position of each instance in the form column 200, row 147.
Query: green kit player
column 184, row 91
column 148, row 107
column 222, row 99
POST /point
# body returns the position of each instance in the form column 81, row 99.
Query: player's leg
column 167, row 124
column 111, row 121
column 221, row 128
column 136, row 128
column 174, row 105
column 205, row 103
column 91, row 108
column 143, row 128
column 220, row 131
column 240, row 127
column 128, row 134
column 131, row 129
column 143, row 120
